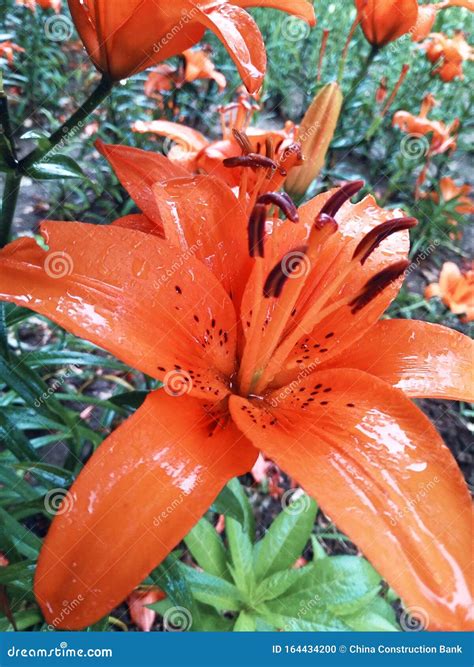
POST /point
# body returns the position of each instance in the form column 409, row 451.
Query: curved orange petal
column 126, row 291
column 421, row 359
column 140, row 223
column 137, row 497
column 241, row 37
column 379, row 469
column 300, row 8
column 186, row 137
column 202, row 216
column 138, row 170
column 384, row 21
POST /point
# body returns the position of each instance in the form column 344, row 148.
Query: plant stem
column 10, row 198
column 70, row 126
column 361, row 76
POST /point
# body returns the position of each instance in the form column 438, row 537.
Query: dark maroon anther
column 375, row 285
column 374, row 238
column 281, row 272
column 323, row 220
column 334, row 203
column 284, row 203
column 243, row 141
column 256, row 230
column 252, row 160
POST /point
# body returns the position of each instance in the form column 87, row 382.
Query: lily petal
column 138, row 170
column 125, row 291
column 137, row 497
column 140, row 223
column 186, row 137
column 241, row 37
column 300, row 8
column 379, row 469
column 202, row 216
column 422, row 359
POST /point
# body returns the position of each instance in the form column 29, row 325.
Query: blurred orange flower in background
column 126, row 37
column 44, row 4
column 456, row 290
column 141, row 615
column 384, row 21
column 8, row 50
column 427, row 15
column 450, row 53
column 444, row 137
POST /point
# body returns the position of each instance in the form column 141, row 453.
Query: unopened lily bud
column 315, row 134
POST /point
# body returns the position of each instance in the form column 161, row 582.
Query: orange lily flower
column 444, row 136
column 123, row 38
column 44, row 4
column 384, row 21
column 197, row 154
column 451, row 53
column 456, row 289
column 141, row 615
column 8, row 50
column 449, row 191
column 197, row 65
column 266, row 335
column 382, row 90
column 427, row 15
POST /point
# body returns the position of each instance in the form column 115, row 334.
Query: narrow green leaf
column 56, row 166
column 24, row 541
column 228, row 503
column 286, row 538
column 207, row 549
column 212, row 590
column 15, row 440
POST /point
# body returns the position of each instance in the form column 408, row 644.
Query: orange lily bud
column 384, row 21
column 315, row 134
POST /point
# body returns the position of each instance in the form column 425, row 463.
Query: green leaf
column 23, row 540
column 212, row 590
column 15, row 440
column 54, row 167
column 18, row 575
column 245, row 623
column 72, row 358
column 378, row 616
column 168, row 577
column 207, row 549
column 277, row 584
column 297, row 621
column 50, row 476
column 129, row 399
column 229, row 503
column 286, row 538
column 23, row 619
column 241, row 553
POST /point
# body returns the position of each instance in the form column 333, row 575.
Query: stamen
column 284, row 203
column 252, row 160
column 377, row 284
column 256, row 230
column 243, row 141
column 334, row 203
column 374, row 238
column 282, row 271
column 323, row 220
column 322, row 51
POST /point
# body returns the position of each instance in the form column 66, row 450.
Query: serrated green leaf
column 212, row 590
column 285, row 539
column 207, row 549
column 245, row 623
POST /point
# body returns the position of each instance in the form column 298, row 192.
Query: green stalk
column 361, row 76
column 10, row 198
column 70, row 126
